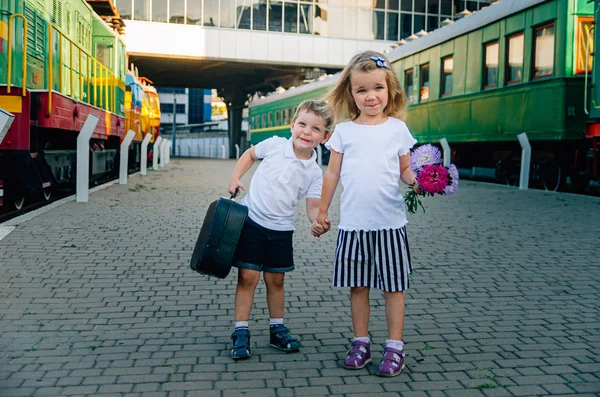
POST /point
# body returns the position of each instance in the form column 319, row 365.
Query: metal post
column 123, row 166
column 237, row 151
column 199, row 150
column 168, row 152
column 525, row 161
column 83, row 157
column 163, row 155
column 144, row 163
column 156, row 151
column 446, row 148
column 174, row 121
column 223, row 151
column 319, row 155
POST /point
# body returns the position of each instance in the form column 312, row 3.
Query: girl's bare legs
column 361, row 310
column 244, row 294
column 275, row 293
column 394, row 314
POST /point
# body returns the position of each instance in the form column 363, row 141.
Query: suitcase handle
column 237, row 190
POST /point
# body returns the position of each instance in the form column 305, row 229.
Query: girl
column 370, row 152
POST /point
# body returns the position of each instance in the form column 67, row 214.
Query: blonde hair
column 342, row 101
column 320, row 108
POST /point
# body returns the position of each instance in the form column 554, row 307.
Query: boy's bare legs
column 275, row 293
column 244, row 294
column 394, row 314
column 361, row 310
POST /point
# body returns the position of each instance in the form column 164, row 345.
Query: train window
column 584, row 37
column 424, row 83
column 490, row 65
column 277, row 118
column 264, row 121
column 270, row 119
column 543, row 51
column 408, row 84
column 286, row 116
column 514, row 58
column 447, row 68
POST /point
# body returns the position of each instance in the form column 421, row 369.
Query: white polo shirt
column 280, row 181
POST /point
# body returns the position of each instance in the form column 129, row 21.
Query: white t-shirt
column 373, row 196
column 280, row 181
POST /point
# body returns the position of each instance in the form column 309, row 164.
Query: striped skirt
column 377, row 259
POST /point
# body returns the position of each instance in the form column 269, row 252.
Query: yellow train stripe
column 10, row 103
column 281, row 127
column 3, row 30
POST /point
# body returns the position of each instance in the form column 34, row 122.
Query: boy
column 288, row 172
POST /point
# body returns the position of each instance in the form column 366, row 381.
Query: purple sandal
column 358, row 356
column 391, row 363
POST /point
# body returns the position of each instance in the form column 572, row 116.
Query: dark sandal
column 241, row 344
column 282, row 340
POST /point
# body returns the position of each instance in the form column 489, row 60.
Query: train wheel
column 47, row 194
column 552, row 178
column 19, row 203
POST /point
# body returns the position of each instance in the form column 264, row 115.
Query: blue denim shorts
column 264, row 249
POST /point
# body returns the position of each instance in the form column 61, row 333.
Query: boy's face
column 308, row 130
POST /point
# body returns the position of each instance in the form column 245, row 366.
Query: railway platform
column 97, row 299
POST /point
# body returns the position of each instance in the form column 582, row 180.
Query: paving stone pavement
column 98, row 299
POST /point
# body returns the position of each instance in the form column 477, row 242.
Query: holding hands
column 321, row 225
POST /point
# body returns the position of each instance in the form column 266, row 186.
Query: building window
column 424, row 83
column 514, row 58
column 379, row 25
column 392, row 26
column 405, row 25
column 490, row 65
column 290, row 19
column 177, row 11
column 275, row 16
column 211, row 13
column 543, row 51
column 583, row 38
column 447, row 67
column 141, row 10
column 408, row 84
column 305, row 18
column 159, row 11
column 243, row 14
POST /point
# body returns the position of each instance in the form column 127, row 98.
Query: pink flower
column 433, row 178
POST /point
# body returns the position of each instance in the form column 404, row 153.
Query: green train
column 59, row 63
column 515, row 66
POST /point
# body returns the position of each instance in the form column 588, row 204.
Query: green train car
column 59, row 63
column 515, row 66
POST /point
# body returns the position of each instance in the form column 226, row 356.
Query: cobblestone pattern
column 98, row 299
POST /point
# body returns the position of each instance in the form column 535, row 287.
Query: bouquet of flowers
column 432, row 176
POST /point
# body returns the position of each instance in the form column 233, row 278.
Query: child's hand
column 324, row 224
column 417, row 188
column 235, row 184
column 317, row 230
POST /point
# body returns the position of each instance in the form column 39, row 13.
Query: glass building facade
column 390, row 20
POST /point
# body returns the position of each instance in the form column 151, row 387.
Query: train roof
column 483, row 17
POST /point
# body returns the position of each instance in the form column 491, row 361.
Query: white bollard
column 156, row 151
column 525, row 161
column 163, row 154
column 319, row 156
column 144, row 160
column 199, row 151
column 168, row 157
column 237, row 151
column 223, row 151
column 123, row 166
column 83, row 157
column 211, row 151
column 446, row 148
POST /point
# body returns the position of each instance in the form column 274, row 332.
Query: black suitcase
column 216, row 245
